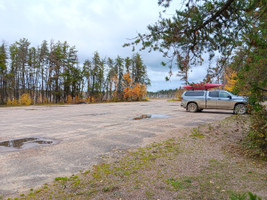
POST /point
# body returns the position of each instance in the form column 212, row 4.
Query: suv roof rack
column 202, row 86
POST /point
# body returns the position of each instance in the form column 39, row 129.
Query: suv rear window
column 194, row 93
column 214, row 94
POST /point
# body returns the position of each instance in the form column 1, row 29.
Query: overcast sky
column 90, row 25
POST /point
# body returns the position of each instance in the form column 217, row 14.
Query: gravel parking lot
column 66, row 139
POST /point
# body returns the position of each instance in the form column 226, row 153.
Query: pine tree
column 119, row 69
column 3, row 73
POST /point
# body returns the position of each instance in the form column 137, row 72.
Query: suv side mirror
column 230, row 97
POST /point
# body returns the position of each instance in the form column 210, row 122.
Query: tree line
column 51, row 73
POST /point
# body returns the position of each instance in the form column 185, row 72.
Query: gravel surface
column 80, row 134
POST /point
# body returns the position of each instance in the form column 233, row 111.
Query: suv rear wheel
column 192, row 107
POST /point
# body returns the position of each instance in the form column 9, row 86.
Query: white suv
column 198, row 100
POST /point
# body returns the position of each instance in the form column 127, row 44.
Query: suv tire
column 240, row 109
column 192, row 107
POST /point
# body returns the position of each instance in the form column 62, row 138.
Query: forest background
column 51, row 73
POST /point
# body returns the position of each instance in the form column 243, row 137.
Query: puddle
column 152, row 116
column 160, row 116
column 25, row 143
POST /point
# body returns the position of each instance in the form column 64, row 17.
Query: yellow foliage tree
column 230, row 79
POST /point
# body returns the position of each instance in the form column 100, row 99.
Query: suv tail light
column 181, row 98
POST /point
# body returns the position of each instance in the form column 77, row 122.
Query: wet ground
column 39, row 143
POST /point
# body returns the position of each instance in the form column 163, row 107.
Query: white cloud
column 2, row 5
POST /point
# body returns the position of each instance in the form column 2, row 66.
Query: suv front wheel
column 192, row 107
column 240, row 109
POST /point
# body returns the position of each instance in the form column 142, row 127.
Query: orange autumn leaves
column 132, row 91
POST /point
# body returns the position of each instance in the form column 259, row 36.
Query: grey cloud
column 95, row 25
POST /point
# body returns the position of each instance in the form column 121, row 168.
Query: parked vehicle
column 198, row 100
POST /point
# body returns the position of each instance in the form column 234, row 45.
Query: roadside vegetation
column 211, row 161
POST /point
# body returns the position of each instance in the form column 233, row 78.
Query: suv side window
column 194, row 93
column 214, row 94
column 224, row 94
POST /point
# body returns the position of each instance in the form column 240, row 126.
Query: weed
column 73, row 177
column 77, row 182
column 196, row 133
column 149, row 194
column 175, row 184
column 86, row 172
column 253, row 196
column 110, row 188
column 61, row 178
column 188, row 181
column 239, row 196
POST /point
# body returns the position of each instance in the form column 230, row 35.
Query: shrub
column 25, row 99
column 257, row 133
column 9, row 102
column 14, row 102
column 69, row 99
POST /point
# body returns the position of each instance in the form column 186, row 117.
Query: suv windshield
column 224, row 94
